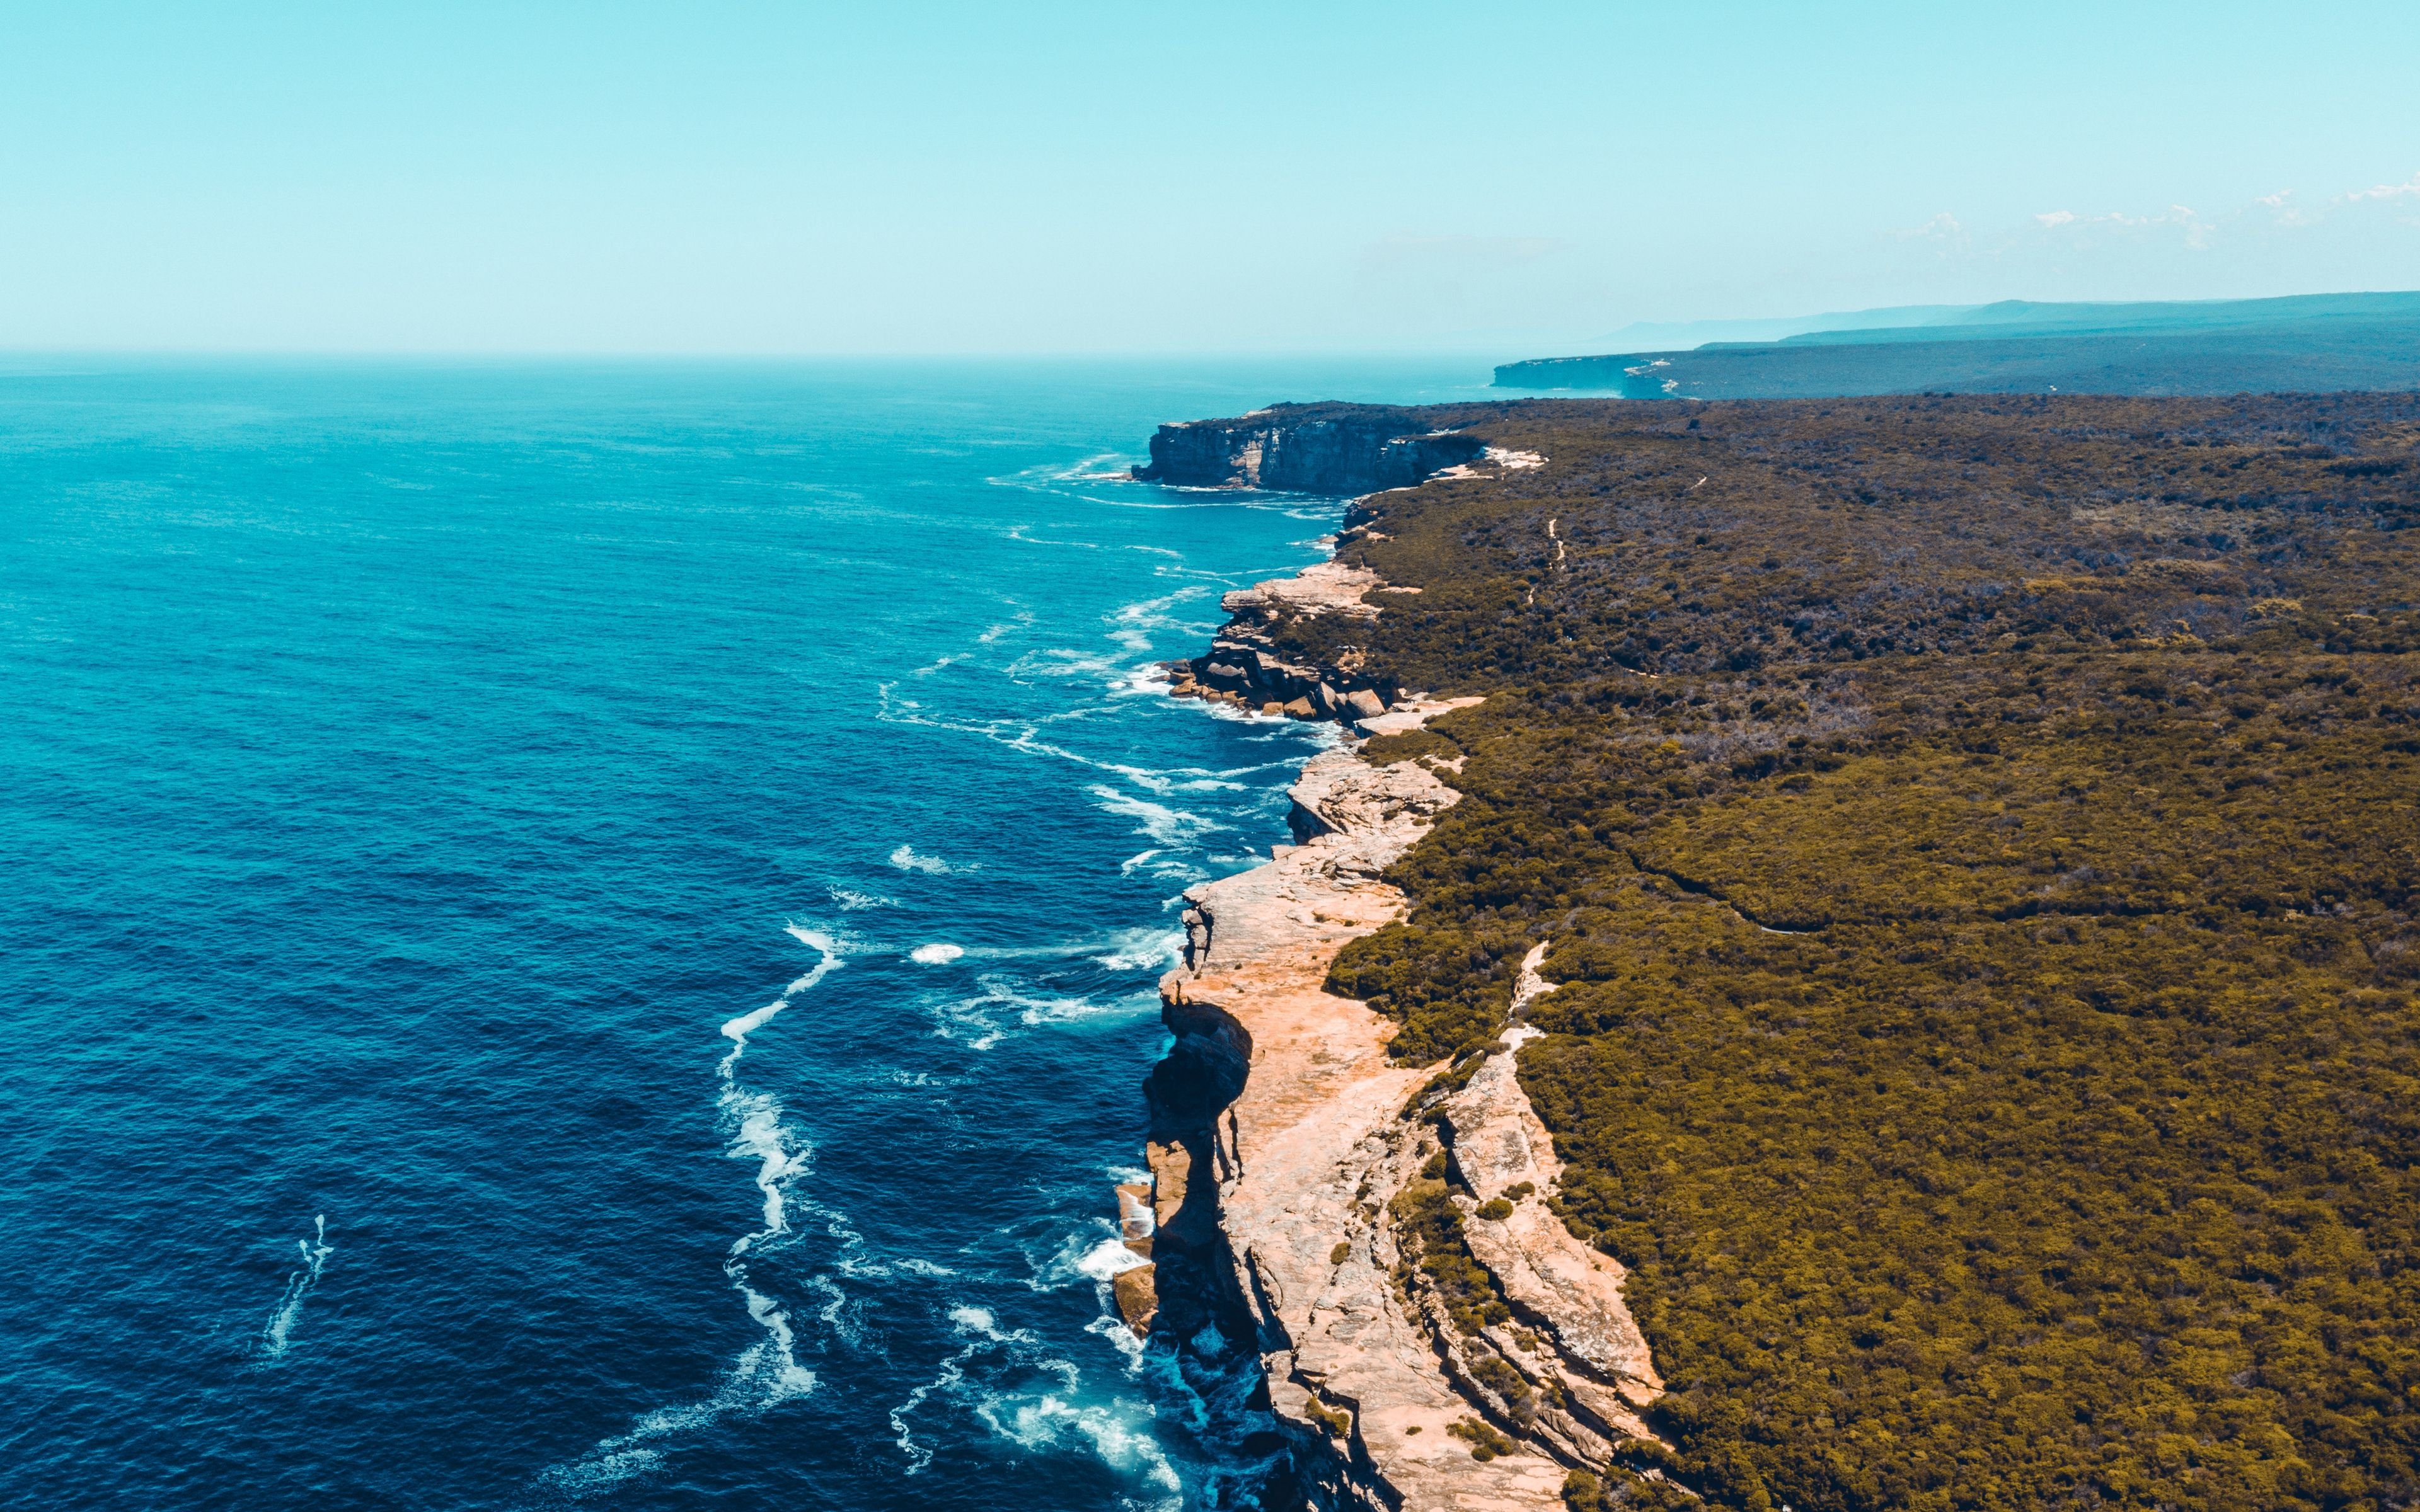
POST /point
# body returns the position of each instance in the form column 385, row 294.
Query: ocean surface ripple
column 652, row 877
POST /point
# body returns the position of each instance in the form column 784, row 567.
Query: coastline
column 1285, row 1145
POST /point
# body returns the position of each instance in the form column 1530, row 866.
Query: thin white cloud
column 2282, row 213
column 2196, row 231
column 2199, row 232
column 2408, row 186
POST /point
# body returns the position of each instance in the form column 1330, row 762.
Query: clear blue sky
column 1038, row 176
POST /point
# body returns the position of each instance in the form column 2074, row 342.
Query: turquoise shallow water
column 585, row 936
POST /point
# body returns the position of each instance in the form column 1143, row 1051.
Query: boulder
column 1301, row 708
column 1364, row 703
column 1137, row 1296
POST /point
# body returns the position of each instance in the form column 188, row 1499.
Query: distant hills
column 2305, row 343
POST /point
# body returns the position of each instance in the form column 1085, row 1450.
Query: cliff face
column 1324, row 448
column 1296, row 1184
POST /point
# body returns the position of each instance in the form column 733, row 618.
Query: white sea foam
column 1131, row 626
column 1051, row 1421
column 275, row 1337
column 852, row 898
column 1040, row 1012
column 1168, row 827
column 738, row 1030
column 906, row 859
column 983, row 1332
column 969, row 1021
column 1134, row 949
column 980, row 1023
column 1164, row 782
column 940, row 953
column 768, row 1372
column 993, row 632
column 757, row 1381
column 840, row 1312
column 1113, row 1330
column 1108, row 1259
column 1089, row 1256
column 1024, row 736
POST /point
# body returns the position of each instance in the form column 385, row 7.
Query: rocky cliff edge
column 1297, row 1173
column 1317, row 448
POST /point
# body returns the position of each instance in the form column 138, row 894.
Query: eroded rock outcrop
column 1244, row 665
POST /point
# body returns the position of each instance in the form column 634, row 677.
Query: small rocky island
column 1857, row 954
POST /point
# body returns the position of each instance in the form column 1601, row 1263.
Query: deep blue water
column 668, row 863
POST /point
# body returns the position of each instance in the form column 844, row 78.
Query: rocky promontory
column 1307, row 448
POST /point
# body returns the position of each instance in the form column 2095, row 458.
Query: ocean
column 585, row 933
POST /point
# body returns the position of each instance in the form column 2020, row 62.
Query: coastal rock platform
column 1281, row 1139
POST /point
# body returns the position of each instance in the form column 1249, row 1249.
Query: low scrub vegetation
column 1977, row 838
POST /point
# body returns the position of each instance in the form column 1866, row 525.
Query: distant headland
column 2315, row 343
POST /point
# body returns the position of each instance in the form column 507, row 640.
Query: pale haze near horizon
column 1054, row 178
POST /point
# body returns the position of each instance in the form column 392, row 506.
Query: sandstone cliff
column 1320, row 448
column 1292, row 1162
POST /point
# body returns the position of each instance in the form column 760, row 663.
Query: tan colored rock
column 1406, row 718
column 1136, row 1297
column 1322, row 588
column 1311, row 1148
column 1551, row 1279
column 1285, row 1174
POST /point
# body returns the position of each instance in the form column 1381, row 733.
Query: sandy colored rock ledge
column 1287, row 1182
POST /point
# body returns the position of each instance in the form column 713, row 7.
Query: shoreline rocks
column 1244, row 667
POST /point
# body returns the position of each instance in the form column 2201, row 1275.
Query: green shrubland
column 1977, row 838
